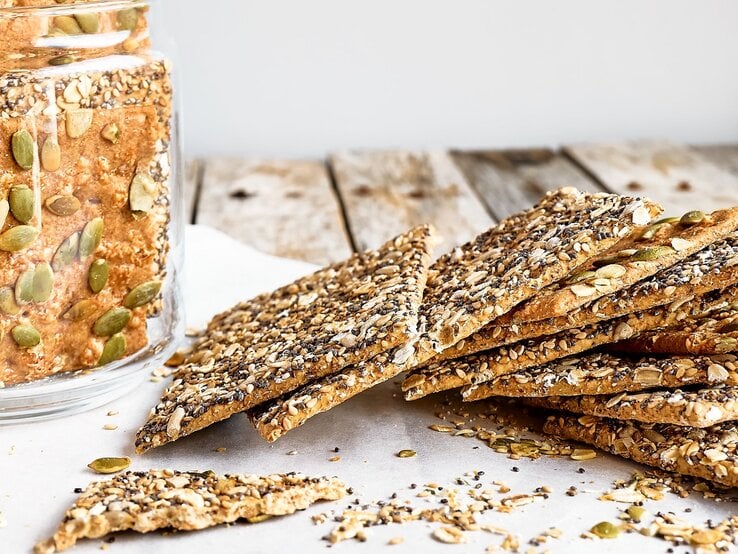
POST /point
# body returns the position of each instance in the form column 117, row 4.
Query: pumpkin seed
column 26, row 336
column 67, row 252
column 580, row 276
column 581, row 454
column 22, row 203
column 667, row 220
column 81, row 310
column 651, row 231
column 605, row 530
column 650, row 254
column 23, row 148
column 51, row 155
column 8, row 305
column 636, row 513
column 113, row 350
column 18, row 238
column 142, row 193
column 98, row 275
column 4, row 211
column 63, row 206
column 67, row 25
column 111, row 322
column 78, row 122
column 24, row 287
column 109, row 465
column 611, row 271
column 127, row 19
column 91, row 237
column 111, row 133
column 61, row 60
column 88, row 22
column 43, row 282
column 692, row 218
column 406, row 453
column 142, row 294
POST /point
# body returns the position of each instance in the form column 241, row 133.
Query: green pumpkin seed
column 142, row 193
column 667, row 220
column 605, row 530
column 67, row 25
column 692, row 218
column 8, row 305
column 78, row 122
column 26, row 336
column 24, row 287
column 23, row 148
column 127, row 19
column 111, row 133
column 81, row 310
column 652, row 230
column 91, row 237
column 98, row 275
column 61, row 60
column 580, row 276
column 63, row 206
column 18, row 238
column 650, row 254
column 113, row 350
column 22, row 203
column 66, row 253
column 109, row 465
column 4, row 211
column 43, row 282
column 51, row 155
column 636, row 513
column 88, row 22
column 406, row 453
column 111, row 322
column 142, row 294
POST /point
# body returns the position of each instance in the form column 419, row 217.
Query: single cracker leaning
column 691, row 408
column 705, row 453
column 477, row 369
column 276, row 342
column 659, row 246
column 714, row 267
column 144, row 501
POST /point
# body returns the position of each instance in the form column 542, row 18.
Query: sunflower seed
column 22, row 203
column 109, row 465
column 8, row 305
column 113, row 350
column 127, row 19
column 26, row 336
column 81, row 310
column 63, row 206
column 142, row 294
column 23, row 148
column 24, row 286
column 692, row 218
column 43, row 282
column 88, row 22
column 142, row 193
column 111, row 133
column 66, row 253
column 111, row 322
column 91, row 237
column 78, row 122
column 98, row 275
column 650, row 254
column 18, row 238
column 51, row 155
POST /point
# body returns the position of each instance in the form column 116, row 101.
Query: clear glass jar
column 90, row 222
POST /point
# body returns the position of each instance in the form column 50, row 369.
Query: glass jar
column 90, row 222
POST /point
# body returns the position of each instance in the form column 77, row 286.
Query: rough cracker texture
column 166, row 499
column 276, row 342
column 709, row 335
column 476, row 370
column 706, row 453
column 714, row 267
column 621, row 267
column 691, row 408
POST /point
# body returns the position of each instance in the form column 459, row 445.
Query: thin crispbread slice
column 659, row 246
column 276, row 342
column 714, row 267
column 705, row 453
column 702, row 407
column 709, row 335
column 144, row 501
column 478, row 369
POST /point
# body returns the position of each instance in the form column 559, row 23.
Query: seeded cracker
column 706, row 453
column 691, row 408
column 476, row 370
column 714, row 267
column 161, row 499
column 660, row 245
column 278, row 341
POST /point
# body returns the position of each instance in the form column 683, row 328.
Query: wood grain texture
column 191, row 189
column 511, row 180
column 675, row 175
column 284, row 208
column 386, row 193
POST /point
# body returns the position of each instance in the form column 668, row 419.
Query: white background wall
column 302, row 77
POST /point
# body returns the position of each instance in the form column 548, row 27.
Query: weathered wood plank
column 722, row 155
column 386, row 193
column 191, row 189
column 511, row 180
column 676, row 175
column 285, row 208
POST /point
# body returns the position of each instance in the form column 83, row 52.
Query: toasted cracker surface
column 161, row 499
column 276, row 342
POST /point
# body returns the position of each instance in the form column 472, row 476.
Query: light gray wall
column 301, row 77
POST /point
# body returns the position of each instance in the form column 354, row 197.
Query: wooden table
column 322, row 210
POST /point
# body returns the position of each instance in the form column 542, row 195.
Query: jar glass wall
column 90, row 223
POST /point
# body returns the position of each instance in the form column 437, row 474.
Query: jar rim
column 69, row 9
